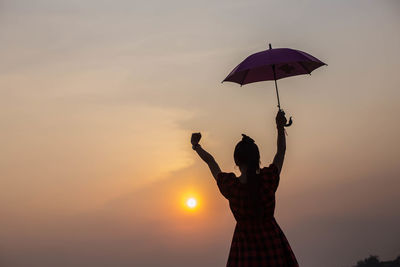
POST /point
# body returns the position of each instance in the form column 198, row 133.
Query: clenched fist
column 195, row 138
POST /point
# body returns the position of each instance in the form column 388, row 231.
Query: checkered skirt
column 258, row 240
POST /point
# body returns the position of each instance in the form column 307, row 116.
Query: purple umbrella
column 273, row 64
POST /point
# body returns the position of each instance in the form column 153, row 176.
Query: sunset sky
column 98, row 100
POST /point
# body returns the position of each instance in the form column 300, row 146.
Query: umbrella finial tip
column 270, row 46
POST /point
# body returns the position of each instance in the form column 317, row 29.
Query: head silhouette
column 247, row 155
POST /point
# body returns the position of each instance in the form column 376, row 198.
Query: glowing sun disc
column 191, row 203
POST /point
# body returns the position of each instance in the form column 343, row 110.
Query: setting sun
column 191, row 203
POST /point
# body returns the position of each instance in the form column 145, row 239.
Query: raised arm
column 204, row 155
column 281, row 144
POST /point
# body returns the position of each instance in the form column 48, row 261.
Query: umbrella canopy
column 273, row 64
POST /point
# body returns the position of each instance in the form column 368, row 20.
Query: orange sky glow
column 98, row 100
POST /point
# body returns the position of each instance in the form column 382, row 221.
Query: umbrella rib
column 301, row 64
column 244, row 77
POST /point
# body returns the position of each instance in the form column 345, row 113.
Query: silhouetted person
column 258, row 240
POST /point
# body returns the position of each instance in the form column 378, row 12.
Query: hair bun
column 246, row 138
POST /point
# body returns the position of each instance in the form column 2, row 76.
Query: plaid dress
column 258, row 240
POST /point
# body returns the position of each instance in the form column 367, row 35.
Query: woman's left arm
column 281, row 143
column 204, row 155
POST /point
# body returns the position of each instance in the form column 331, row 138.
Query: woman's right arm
column 204, row 155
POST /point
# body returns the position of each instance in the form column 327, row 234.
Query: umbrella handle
column 289, row 123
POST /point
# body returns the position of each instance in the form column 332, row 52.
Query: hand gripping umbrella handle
column 290, row 120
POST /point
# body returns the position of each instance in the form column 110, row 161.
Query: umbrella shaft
column 277, row 94
column 276, row 87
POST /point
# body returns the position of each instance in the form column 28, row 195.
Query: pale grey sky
column 98, row 100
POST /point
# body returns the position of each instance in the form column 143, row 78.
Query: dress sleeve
column 271, row 176
column 225, row 182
